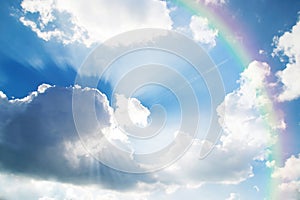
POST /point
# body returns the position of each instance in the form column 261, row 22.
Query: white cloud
column 270, row 164
column 289, row 177
column 138, row 114
column 246, row 126
column 290, row 190
column 288, row 45
column 40, row 129
column 2, row 95
column 215, row 2
column 88, row 22
column 202, row 32
column 22, row 187
column 44, row 8
column 244, row 122
column 45, row 35
column 261, row 52
column 233, row 196
column 248, row 132
column 189, row 171
column 290, row 171
column 38, row 138
column 42, row 88
column 256, row 188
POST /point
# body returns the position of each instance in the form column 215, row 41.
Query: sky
column 149, row 99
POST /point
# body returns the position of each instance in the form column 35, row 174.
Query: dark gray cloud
column 38, row 138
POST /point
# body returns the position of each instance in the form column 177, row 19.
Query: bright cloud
column 88, row 25
column 45, row 35
column 248, row 133
column 137, row 113
column 51, row 139
column 233, row 196
column 22, row 187
column 289, row 176
column 46, row 154
column 243, row 117
column 288, row 45
column 202, row 32
column 215, row 2
column 244, row 123
column 46, row 118
column 38, row 138
column 289, row 172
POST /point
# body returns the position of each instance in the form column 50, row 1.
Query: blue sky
column 94, row 107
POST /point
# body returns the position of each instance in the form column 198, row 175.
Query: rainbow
column 243, row 56
column 226, row 29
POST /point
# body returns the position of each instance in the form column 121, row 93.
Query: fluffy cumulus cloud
column 202, row 32
column 38, row 138
column 289, row 177
column 243, row 111
column 39, row 144
column 288, row 45
column 248, row 132
column 92, row 21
